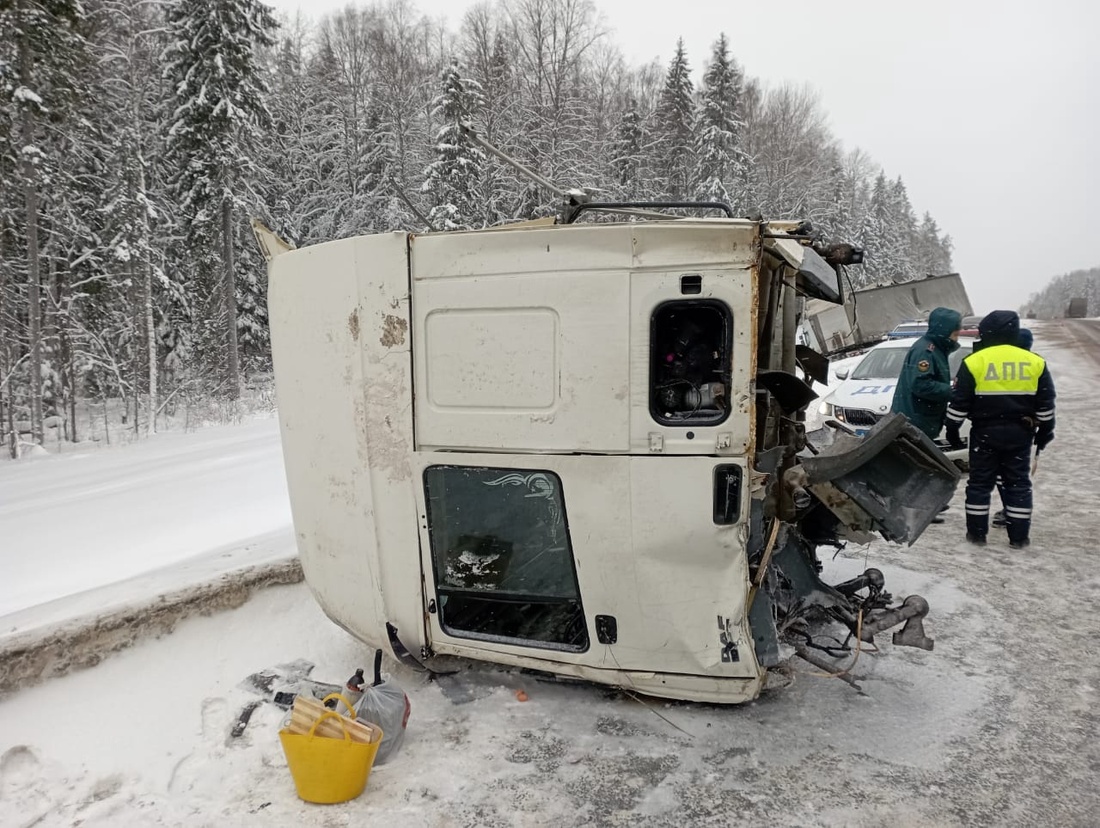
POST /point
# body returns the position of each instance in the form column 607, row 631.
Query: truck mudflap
column 893, row 480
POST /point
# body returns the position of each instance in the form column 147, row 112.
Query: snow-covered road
column 81, row 520
column 997, row 726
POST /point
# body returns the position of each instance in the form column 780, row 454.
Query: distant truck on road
column 1077, row 308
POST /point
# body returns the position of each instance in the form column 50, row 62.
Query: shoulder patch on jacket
column 931, row 346
column 923, row 365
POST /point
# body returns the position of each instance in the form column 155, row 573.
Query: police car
column 866, row 390
column 909, row 329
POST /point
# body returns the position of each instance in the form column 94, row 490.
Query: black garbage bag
column 385, row 704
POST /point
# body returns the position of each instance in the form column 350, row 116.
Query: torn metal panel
column 789, row 391
column 895, row 475
column 813, row 364
column 816, row 277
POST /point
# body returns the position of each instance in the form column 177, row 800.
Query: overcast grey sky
column 990, row 111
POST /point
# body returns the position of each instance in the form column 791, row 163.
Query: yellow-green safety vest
column 1005, row 369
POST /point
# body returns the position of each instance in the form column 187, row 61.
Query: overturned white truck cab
column 580, row 449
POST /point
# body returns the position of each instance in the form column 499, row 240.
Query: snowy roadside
column 475, row 755
column 41, row 643
column 101, row 547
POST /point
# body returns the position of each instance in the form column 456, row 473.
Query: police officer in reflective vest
column 1008, row 394
column 1025, row 341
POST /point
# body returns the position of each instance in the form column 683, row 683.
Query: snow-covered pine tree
column 947, row 251
column 10, row 300
column 553, row 42
column 721, row 165
column 600, row 93
column 1092, row 292
column 75, row 221
column 453, row 180
column 642, row 86
column 498, row 115
column 851, row 195
column 405, row 61
column 342, row 121
column 319, row 205
column 133, row 213
column 790, row 147
column 882, row 236
column 837, row 203
column 627, row 152
column 930, row 256
column 674, row 129
column 288, row 178
column 905, row 230
column 219, row 92
column 872, row 236
column 489, row 61
column 42, row 49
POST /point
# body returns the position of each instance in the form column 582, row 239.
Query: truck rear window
column 690, row 362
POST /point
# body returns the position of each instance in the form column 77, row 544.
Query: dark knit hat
column 1026, row 339
column 1001, row 327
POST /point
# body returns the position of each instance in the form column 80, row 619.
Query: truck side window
column 502, row 560
column 690, row 360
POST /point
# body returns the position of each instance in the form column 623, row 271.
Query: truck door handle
column 727, row 494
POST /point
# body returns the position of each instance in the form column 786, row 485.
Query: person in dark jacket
column 1008, row 394
column 1025, row 341
column 924, row 385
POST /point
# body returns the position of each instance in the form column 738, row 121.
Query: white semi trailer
column 579, row 448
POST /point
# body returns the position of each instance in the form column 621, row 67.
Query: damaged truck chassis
column 580, row 448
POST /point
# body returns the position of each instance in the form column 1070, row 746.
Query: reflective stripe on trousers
column 1002, row 450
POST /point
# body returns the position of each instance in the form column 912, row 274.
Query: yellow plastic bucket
column 328, row 770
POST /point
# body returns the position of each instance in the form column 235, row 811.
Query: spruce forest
column 138, row 139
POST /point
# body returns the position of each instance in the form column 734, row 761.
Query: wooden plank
column 332, row 729
column 306, row 711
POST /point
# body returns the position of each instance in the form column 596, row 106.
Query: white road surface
column 76, row 521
